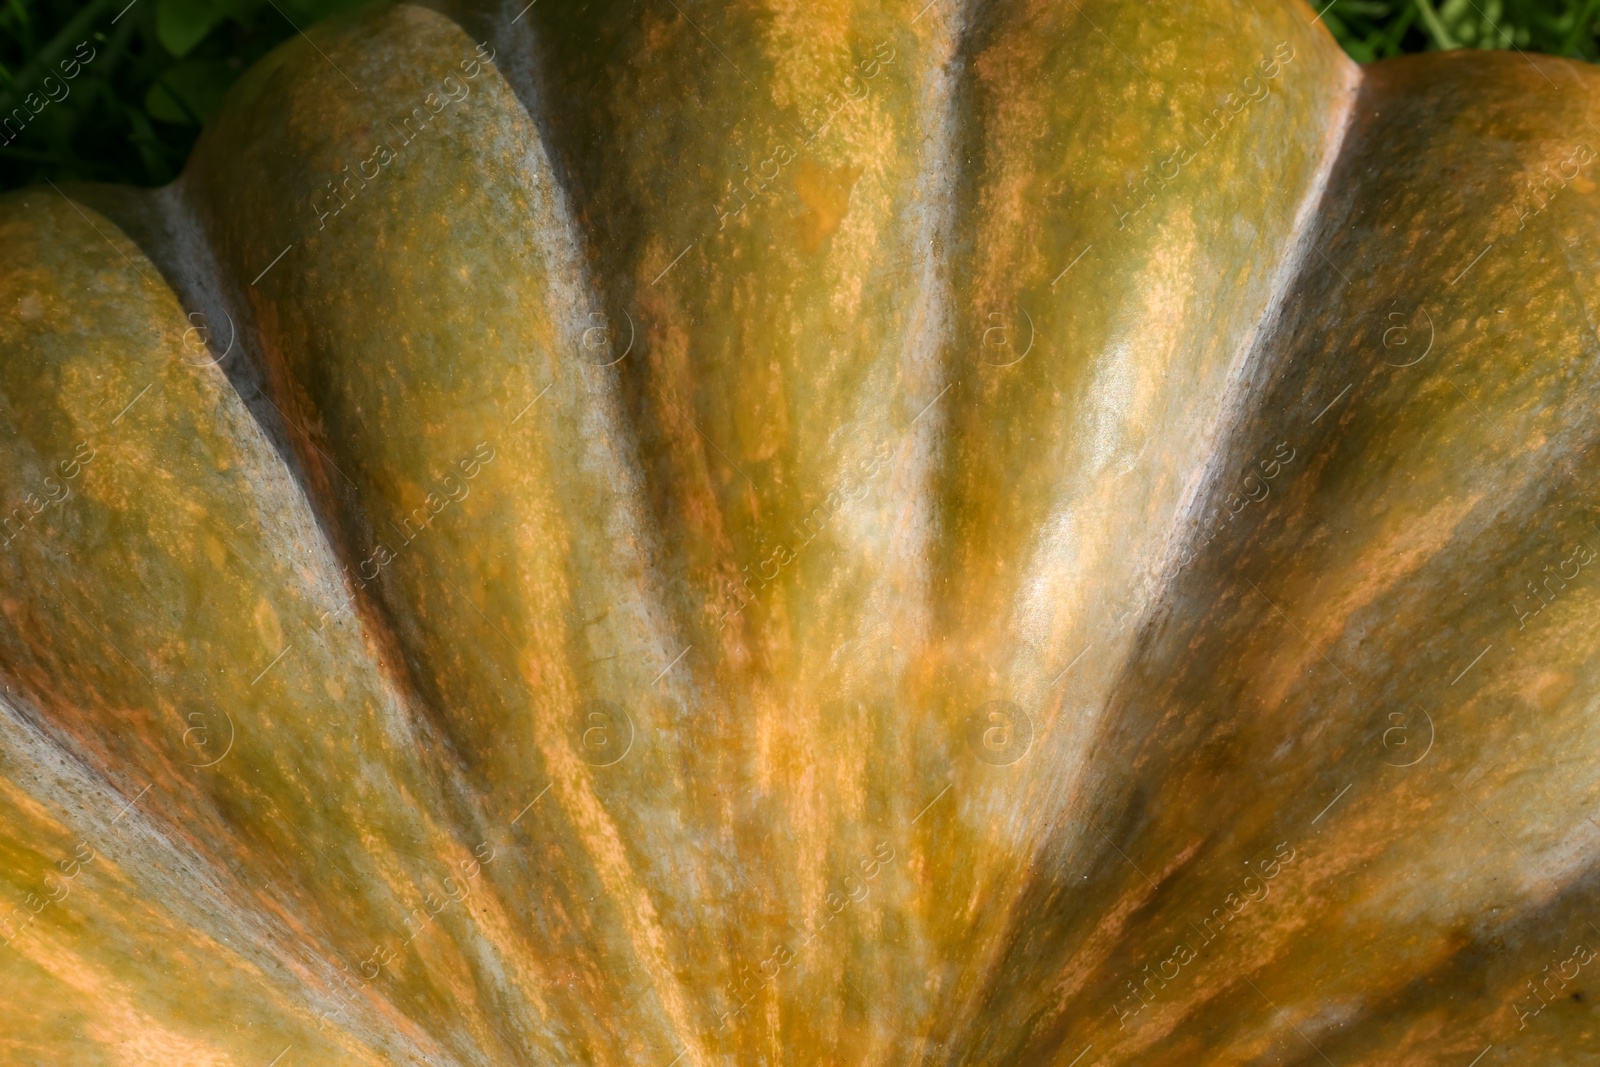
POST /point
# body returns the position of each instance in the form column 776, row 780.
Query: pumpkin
column 1015, row 533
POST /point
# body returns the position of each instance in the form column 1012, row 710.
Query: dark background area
column 118, row 92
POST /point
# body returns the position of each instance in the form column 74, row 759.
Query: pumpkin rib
column 51, row 627
column 162, row 868
column 1079, row 771
column 1458, row 101
column 1332, row 946
column 168, row 230
column 1240, row 396
column 591, row 826
column 270, row 416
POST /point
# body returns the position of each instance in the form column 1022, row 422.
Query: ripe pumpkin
column 1010, row 534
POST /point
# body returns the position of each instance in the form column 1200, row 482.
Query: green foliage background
column 160, row 67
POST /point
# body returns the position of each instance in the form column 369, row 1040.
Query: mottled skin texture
column 518, row 505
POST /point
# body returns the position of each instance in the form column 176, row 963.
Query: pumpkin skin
column 829, row 674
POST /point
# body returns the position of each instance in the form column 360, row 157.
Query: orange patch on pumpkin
column 826, row 195
column 1547, row 689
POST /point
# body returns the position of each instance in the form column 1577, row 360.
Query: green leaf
column 1435, row 25
column 189, row 92
column 182, row 24
column 161, row 104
